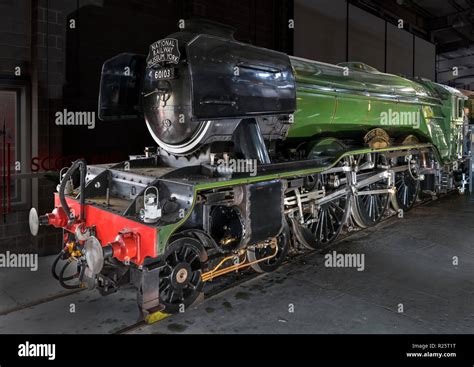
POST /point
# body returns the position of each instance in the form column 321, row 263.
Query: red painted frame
column 108, row 226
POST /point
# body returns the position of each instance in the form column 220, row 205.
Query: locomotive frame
column 137, row 245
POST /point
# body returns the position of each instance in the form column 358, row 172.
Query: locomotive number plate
column 164, row 74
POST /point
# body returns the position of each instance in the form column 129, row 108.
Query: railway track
column 40, row 302
column 243, row 278
column 233, row 280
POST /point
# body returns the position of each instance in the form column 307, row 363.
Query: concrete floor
column 34, row 303
column 408, row 262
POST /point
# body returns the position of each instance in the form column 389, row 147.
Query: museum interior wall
column 368, row 39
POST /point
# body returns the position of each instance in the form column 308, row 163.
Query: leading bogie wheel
column 180, row 279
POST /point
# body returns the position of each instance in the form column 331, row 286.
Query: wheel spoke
column 180, row 278
column 193, row 284
column 180, row 294
column 193, row 259
column 326, row 225
column 405, row 195
column 165, row 288
column 186, row 251
column 331, row 221
column 321, row 227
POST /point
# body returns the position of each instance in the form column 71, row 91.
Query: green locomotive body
column 350, row 99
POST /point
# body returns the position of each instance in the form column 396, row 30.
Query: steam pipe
column 83, row 168
column 249, row 141
column 81, row 164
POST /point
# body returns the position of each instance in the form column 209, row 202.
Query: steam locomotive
column 257, row 152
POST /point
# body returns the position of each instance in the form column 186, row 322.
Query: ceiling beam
column 445, row 22
column 457, row 61
column 391, row 12
column 453, row 46
column 447, row 76
column 465, row 82
column 464, row 36
column 418, row 9
column 455, row 5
